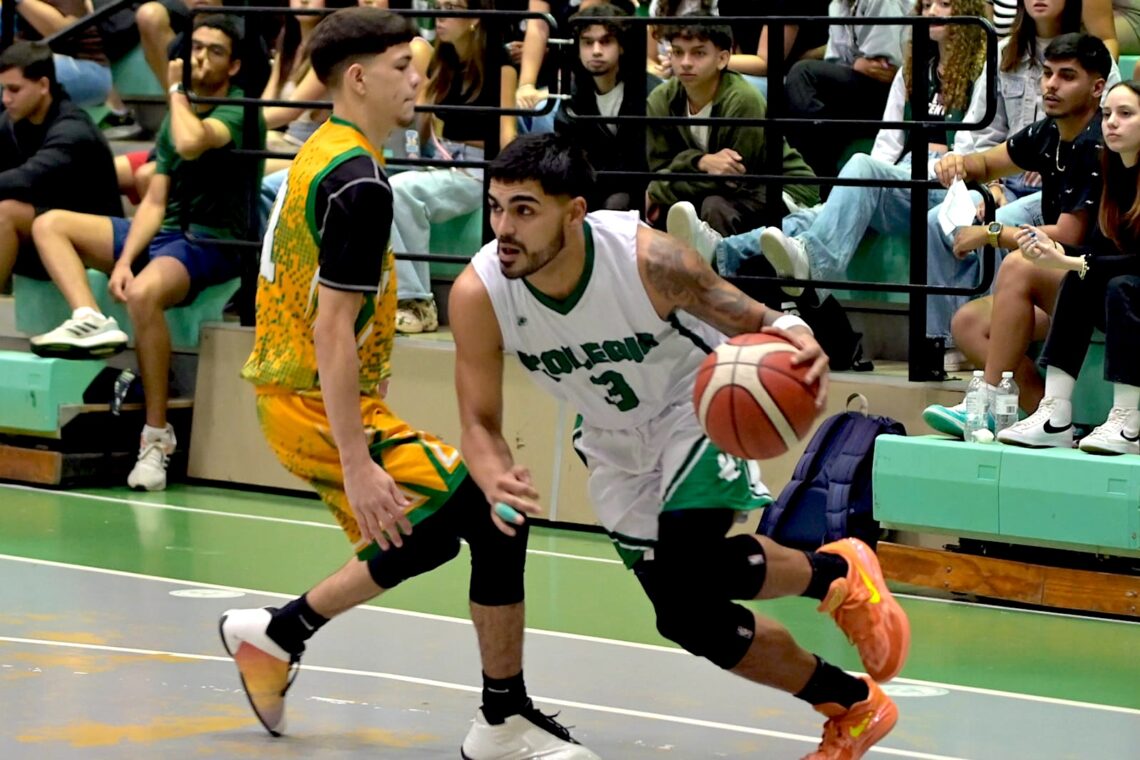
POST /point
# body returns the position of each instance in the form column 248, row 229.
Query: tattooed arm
column 677, row 278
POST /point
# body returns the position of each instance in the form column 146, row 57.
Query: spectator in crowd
column 806, row 42
column 820, row 242
column 656, row 46
column 81, row 68
column 1100, row 287
column 460, row 74
column 154, row 262
column 1096, row 16
column 852, row 82
column 159, row 21
column 1064, row 148
column 51, row 154
column 704, row 88
column 599, row 90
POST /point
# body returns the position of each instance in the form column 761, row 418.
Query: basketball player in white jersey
column 615, row 318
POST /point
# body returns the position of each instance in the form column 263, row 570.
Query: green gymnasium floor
column 109, row 601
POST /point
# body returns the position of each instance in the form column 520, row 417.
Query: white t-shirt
column 610, row 103
column 700, row 132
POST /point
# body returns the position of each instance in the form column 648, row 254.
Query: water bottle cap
column 1006, row 374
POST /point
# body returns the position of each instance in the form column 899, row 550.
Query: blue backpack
column 829, row 495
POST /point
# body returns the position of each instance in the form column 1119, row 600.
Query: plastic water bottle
column 411, row 143
column 1005, row 403
column 977, row 401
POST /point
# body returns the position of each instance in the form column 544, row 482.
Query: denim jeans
column 831, row 233
column 943, row 268
column 420, row 198
column 87, row 83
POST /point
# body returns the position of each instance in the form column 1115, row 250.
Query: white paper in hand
column 958, row 209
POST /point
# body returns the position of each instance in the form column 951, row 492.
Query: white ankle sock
column 1059, row 384
column 1125, row 396
column 86, row 311
column 151, row 433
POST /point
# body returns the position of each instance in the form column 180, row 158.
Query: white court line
column 697, row 722
column 556, row 634
column 537, row 552
column 259, row 518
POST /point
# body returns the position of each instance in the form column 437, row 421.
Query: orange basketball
column 750, row 399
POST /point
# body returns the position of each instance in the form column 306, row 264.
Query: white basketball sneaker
column 87, row 334
column 1120, row 434
column 787, row 256
column 155, row 448
column 530, row 735
column 267, row 671
column 1037, row 431
column 684, row 224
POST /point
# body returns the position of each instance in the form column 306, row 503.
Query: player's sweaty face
column 528, row 224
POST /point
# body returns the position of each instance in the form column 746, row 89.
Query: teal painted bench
column 40, row 308
column 1053, row 496
column 32, row 389
column 1127, row 64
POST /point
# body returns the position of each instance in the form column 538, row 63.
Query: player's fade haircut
column 1085, row 49
column 720, row 35
column 556, row 163
column 228, row 25
column 352, row 34
column 34, row 59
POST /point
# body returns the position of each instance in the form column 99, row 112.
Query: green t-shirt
column 211, row 193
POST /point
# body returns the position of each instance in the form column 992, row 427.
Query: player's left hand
column 809, row 353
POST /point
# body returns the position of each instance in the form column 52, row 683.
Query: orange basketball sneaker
column 267, row 671
column 849, row 733
column 864, row 609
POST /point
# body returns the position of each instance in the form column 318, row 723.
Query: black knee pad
column 497, row 560
column 729, row 568
column 419, row 554
column 721, row 632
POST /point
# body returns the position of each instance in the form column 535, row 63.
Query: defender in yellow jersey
column 326, row 303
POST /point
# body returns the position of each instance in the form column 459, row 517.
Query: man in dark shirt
column 51, row 155
column 170, row 250
column 599, row 89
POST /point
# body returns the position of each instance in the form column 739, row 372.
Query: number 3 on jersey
column 618, row 391
column 268, row 268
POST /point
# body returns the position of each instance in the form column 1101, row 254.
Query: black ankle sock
column 825, row 568
column 294, row 624
column 503, row 697
column 830, row 684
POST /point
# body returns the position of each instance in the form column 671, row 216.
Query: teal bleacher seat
column 1127, row 64
column 1056, row 497
column 132, row 76
column 40, row 308
column 461, row 236
column 32, row 389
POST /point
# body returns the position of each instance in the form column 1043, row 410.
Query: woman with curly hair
column 820, row 242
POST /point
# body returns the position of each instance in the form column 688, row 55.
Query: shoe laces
column 1117, row 420
column 1042, row 415
column 546, row 722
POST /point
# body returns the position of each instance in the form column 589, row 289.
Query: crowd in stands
column 1042, row 157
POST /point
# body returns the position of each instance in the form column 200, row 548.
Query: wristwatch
column 993, row 230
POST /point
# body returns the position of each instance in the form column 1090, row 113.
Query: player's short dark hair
column 580, row 21
column 552, row 160
column 32, row 58
column 1085, row 49
column 231, row 26
column 720, row 35
column 351, row 34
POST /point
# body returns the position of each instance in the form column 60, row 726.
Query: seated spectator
column 159, row 21
column 51, row 154
column 152, row 260
column 1096, row 16
column 808, row 42
column 1100, row 288
column 820, row 243
column 599, row 89
column 656, row 46
column 458, row 75
column 1065, row 149
column 81, row 68
column 852, row 82
column 704, row 88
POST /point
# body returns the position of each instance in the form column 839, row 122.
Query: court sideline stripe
column 558, row 634
column 537, row 552
column 697, row 722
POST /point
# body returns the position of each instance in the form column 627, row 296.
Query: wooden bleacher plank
column 30, row 465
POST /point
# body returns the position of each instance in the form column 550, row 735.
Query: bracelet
column 788, row 321
column 176, row 87
column 1084, row 267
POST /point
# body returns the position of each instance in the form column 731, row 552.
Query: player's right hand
column 378, row 505
column 120, row 280
column 949, row 168
column 515, row 489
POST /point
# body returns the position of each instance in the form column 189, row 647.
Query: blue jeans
column 943, row 268
column 87, row 83
column 539, row 124
column 270, row 184
column 831, row 233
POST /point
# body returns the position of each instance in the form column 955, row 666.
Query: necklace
column 1057, row 157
